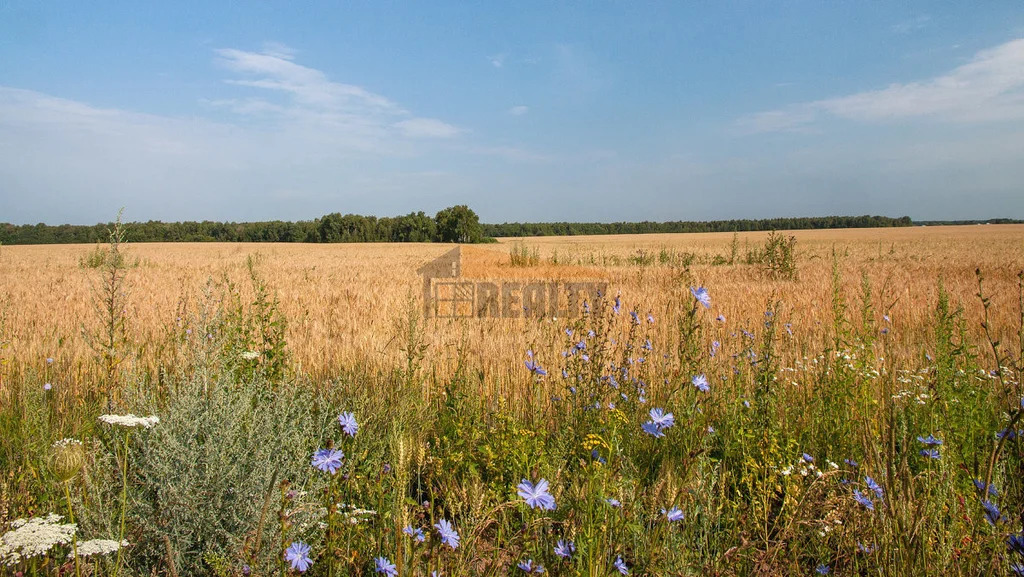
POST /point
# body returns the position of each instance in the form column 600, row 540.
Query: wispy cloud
column 518, row 110
column 311, row 98
column 427, row 128
column 287, row 127
column 498, row 60
column 988, row 88
column 912, row 25
column 307, row 86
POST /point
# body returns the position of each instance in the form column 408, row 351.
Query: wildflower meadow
column 706, row 415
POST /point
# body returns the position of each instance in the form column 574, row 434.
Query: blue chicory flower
column 565, row 549
column 328, row 460
column 702, row 296
column 530, row 567
column 384, row 566
column 701, row 382
column 536, row 496
column 674, row 514
column 298, row 555
column 348, row 424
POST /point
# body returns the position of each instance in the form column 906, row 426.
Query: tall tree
column 458, row 224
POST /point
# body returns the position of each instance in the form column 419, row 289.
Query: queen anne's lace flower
column 66, row 442
column 130, row 420
column 34, row 537
column 98, row 547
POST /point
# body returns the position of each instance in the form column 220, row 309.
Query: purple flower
column 651, row 429
column 702, row 296
column 674, row 514
column 863, row 500
column 1010, row 435
column 613, row 502
column 992, row 513
column 980, row 486
column 930, row 441
column 447, row 533
column 565, row 549
column 874, row 487
column 328, row 460
column 621, row 565
column 1015, row 543
column 416, row 534
column 850, row 462
column 701, row 382
column 822, row 569
column 532, row 366
column 807, row 458
column 47, row 387
column 720, row 318
column 536, row 495
column 298, row 555
column 348, row 424
column 930, row 453
column 382, row 565
column 662, row 419
column 530, row 567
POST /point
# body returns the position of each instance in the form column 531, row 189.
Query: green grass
column 224, row 481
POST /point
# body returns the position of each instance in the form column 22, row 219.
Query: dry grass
column 344, row 302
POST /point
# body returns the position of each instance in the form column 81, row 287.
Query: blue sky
column 526, row 111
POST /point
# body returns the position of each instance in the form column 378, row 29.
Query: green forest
column 453, row 224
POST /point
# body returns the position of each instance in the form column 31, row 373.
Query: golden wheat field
column 348, row 303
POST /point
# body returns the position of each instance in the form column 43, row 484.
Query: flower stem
column 124, row 504
column 74, row 537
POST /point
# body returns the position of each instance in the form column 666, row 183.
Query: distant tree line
column 579, row 228
column 453, row 224
column 965, row 222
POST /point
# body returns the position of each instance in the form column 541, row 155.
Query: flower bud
column 68, row 459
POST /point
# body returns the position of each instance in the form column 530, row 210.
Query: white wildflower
column 34, row 537
column 250, row 355
column 65, row 442
column 98, row 547
column 130, row 420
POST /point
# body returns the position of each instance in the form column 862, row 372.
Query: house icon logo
column 446, row 294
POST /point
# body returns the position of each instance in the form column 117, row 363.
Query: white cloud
column 988, row 88
column 912, row 25
column 427, row 128
column 518, row 110
column 307, row 86
column 279, row 50
column 292, row 128
column 498, row 60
